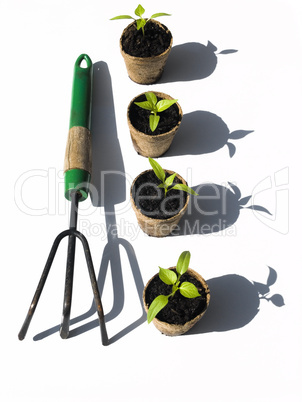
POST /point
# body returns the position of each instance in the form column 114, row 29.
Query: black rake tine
column 41, row 284
column 64, row 329
column 94, row 285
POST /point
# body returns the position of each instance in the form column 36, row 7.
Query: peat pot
column 156, row 214
column 148, row 143
column 148, row 68
column 185, row 312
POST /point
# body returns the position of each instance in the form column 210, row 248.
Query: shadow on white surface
column 191, row 61
column 111, row 255
column 216, row 208
column 107, row 187
column 235, row 302
column 110, row 184
column 203, row 132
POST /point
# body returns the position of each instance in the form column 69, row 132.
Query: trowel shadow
column 108, row 188
column 190, row 61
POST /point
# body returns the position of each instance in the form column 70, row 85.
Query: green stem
column 174, row 290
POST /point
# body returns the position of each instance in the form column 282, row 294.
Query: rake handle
column 77, row 162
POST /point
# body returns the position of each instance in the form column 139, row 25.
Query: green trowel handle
column 77, row 163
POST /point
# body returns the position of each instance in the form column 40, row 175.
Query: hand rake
column 77, row 168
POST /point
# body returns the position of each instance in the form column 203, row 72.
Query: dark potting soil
column 155, row 41
column 179, row 309
column 139, row 117
column 151, row 200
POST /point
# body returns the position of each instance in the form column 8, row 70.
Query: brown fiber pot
column 152, row 146
column 158, row 227
column 145, row 70
column 172, row 329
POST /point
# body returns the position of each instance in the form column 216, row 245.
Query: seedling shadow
column 191, row 61
column 235, row 302
column 108, row 188
column 216, row 208
column 203, row 132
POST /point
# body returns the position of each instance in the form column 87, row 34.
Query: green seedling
column 169, row 277
column 141, row 21
column 167, row 183
column 155, row 107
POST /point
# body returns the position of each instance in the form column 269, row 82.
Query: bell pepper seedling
column 167, row 183
column 155, row 107
column 169, row 277
column 141, row 21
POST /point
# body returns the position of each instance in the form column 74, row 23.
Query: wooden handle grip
column 78, row 149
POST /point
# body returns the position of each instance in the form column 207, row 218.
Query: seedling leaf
column 168, row 276
column 165, row 104
column 144, row 105
column 151, row 97
column 183, row 262
column 158, row 170
column 158, row 304
column 122, row 17
column 185, row 188
column 188, row 290
column 153, row 121
column 159, row 15
column 170, row 179
column 140, row 23
column 139, row 11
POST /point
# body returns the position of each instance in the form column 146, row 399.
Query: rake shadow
column 108, row 188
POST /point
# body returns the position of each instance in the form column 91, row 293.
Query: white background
column 237, row 353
